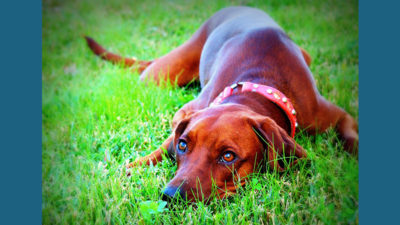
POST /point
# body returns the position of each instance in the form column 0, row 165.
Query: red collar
column 270, row 93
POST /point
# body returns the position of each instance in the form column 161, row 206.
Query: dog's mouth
column 174, row 194
column 229, row 191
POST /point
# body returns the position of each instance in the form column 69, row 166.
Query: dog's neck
column 261, row 105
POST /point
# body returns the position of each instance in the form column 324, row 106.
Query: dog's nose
column 171, row 193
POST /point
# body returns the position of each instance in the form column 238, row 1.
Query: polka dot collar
column 270, row 93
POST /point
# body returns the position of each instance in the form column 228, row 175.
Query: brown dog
column 256, row 88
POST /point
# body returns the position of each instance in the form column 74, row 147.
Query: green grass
column 92, row 110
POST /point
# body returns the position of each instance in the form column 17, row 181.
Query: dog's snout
column 171, row 193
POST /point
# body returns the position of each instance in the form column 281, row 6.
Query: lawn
column 97, row 116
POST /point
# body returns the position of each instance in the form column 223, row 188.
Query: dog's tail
column 114, row 58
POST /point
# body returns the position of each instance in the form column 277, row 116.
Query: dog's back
column 224, row 25
column 246, row 44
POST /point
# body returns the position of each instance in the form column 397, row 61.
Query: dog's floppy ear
column 282, row 150
column 185, row 112
column 181, row 127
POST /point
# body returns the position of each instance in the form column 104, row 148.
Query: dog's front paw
column 130, row 166
column 128, row 171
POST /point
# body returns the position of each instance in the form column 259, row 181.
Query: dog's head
column 218, row 145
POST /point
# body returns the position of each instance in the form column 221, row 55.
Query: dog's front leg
column 157, row 156
column 154, row 157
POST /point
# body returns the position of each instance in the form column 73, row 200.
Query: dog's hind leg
column 181, row 65
column 306, row 56
column 330, row 115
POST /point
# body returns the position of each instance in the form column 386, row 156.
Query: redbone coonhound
column 256, row 89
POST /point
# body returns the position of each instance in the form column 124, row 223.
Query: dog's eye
column 228, row 157
column 182, row 146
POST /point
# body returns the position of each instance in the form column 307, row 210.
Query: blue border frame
column 379, row 42
column 21, row 93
